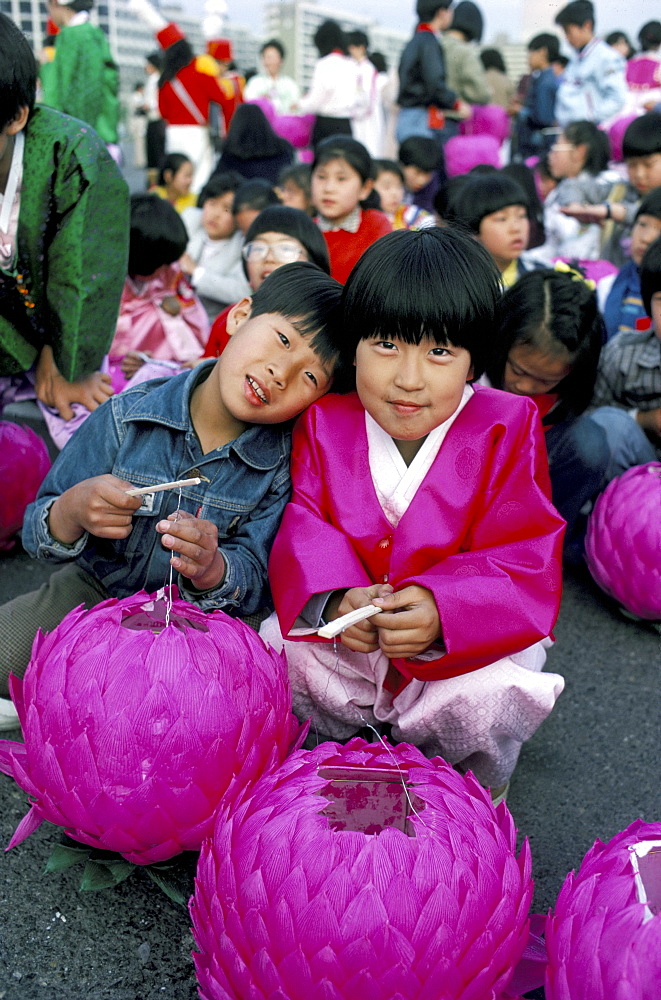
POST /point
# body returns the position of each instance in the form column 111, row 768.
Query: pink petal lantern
column 135, row 730
column 463, row 152
column 604, row 936
column 623, row 542
column 297, row 129
column 24, row 462
column 361, row 872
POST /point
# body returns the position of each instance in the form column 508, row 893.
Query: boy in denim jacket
column 225, row 421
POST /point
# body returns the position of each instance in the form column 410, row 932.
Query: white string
column 168, row 599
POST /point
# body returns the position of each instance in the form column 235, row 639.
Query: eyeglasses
column 283, row 253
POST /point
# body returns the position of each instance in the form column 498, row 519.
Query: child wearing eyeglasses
column 279, row 235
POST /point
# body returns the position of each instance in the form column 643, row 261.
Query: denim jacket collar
column 261, row 446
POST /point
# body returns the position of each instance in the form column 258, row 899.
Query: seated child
column 619, row 295
column 341, row 194
column 224, row 421
column 294, row 187
column 420, row 159
column 627, row 393
column 547, row 338
column 430, row 499
column 251, row 198
column 212, row 259
column 277, row 236
column 389, row 185
column 175, row 180
column 159, row 315
column 63, row 243
column 494, row 207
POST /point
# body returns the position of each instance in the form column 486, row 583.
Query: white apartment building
column 294, row 22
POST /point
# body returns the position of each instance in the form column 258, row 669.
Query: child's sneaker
column 8, row 715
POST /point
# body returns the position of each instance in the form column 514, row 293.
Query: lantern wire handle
column 168, row 599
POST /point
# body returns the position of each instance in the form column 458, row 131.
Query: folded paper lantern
column 463, row 152
column 604, row 936
column 623, row 542
column 135, row 730
column 24, row 461
column 362, row 872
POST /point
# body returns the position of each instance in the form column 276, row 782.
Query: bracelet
column 608, row 210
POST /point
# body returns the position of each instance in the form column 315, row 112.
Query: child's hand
column 650, row 421
column 196, row 542
column 410, row 622
column 132, row 362
column 362, row 637
column 187, row 264
column 53, row 390
column 98, row 505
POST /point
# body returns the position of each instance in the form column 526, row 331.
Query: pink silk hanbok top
column 480, row 533
column 144, row 326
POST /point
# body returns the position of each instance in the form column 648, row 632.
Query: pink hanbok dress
column 470, row 520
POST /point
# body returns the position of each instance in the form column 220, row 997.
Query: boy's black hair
column 649, row 36
column 358, row 38
column 584, row 133
column 467, row 18
column 378, row 61
column 220, row 184
column 343, row 147
column 545, row 41
column 172, row 162
column 310, row 300
column 481, row 195
column 577, row 12
column 447, row 193
column 556, row 312
column 426, row 10
column 158, row 235
column 18, row 72
column 643, row 136
column 650, row 275
column 274, row 43
column 291, row 222
column 409, row 285
column 619, row 36
column 256, row 194
column 493, row 59
column 651, row 204
column 329, row 36
column 155, row 59
column 418, row 151
column 388, row 167
column 300, row 174
column 175, row 57
column 79, row 5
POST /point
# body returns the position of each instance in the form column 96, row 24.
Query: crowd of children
column 471, row 413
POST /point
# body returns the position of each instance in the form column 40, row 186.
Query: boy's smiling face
column 268, row 373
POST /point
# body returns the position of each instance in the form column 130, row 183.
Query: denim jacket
column 145, row 436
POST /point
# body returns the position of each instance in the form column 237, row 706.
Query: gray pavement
column 589, row 771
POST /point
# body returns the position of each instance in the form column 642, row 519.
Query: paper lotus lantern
column 487, row 119
column 134, row 731
column 335, row 879
column 623, row 542
column 296, row 129
column 24, row 461
column 603, row 941
column 463, row 152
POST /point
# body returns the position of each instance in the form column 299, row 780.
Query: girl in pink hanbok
column 427, row 497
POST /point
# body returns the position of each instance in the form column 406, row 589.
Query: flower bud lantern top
column 24, row 462
column 135, row 730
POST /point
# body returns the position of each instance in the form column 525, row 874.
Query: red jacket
column 345, row 249
column 203, row 88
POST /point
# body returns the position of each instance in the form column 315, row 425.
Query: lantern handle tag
column 159, row 487
column 346, row 621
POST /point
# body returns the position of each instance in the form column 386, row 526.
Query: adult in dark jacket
column 252, row 148
column 423, row 93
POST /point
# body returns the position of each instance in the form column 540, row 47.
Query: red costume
column 345, row 248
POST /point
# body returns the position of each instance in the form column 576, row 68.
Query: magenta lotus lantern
column 604, row 936
column 24, row 461
column 362, row 872
column 136, row 729
column 623, row 543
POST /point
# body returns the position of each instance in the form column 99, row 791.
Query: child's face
column 505, row 234
column 357, row 52
column 537, row 59
column 645, row 230
column 656, row 314
column 217, row 218
column 268, row 373
column 644, row 172
column 531, row 372
column 180, row 182
column 244, row 218
column 293, row 196
column 337, row 189
column 415, row 178
column 391, row 191
column 409, row 389
column 578, row 35
column 566, row 159
column 267, row 252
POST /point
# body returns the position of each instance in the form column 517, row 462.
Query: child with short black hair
column 389, row 185
column 450, row 531
column 422, row 165
column 225, row 422
column 213, row 255
column 251, row 198
column 175, row 179
column 294, row 187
